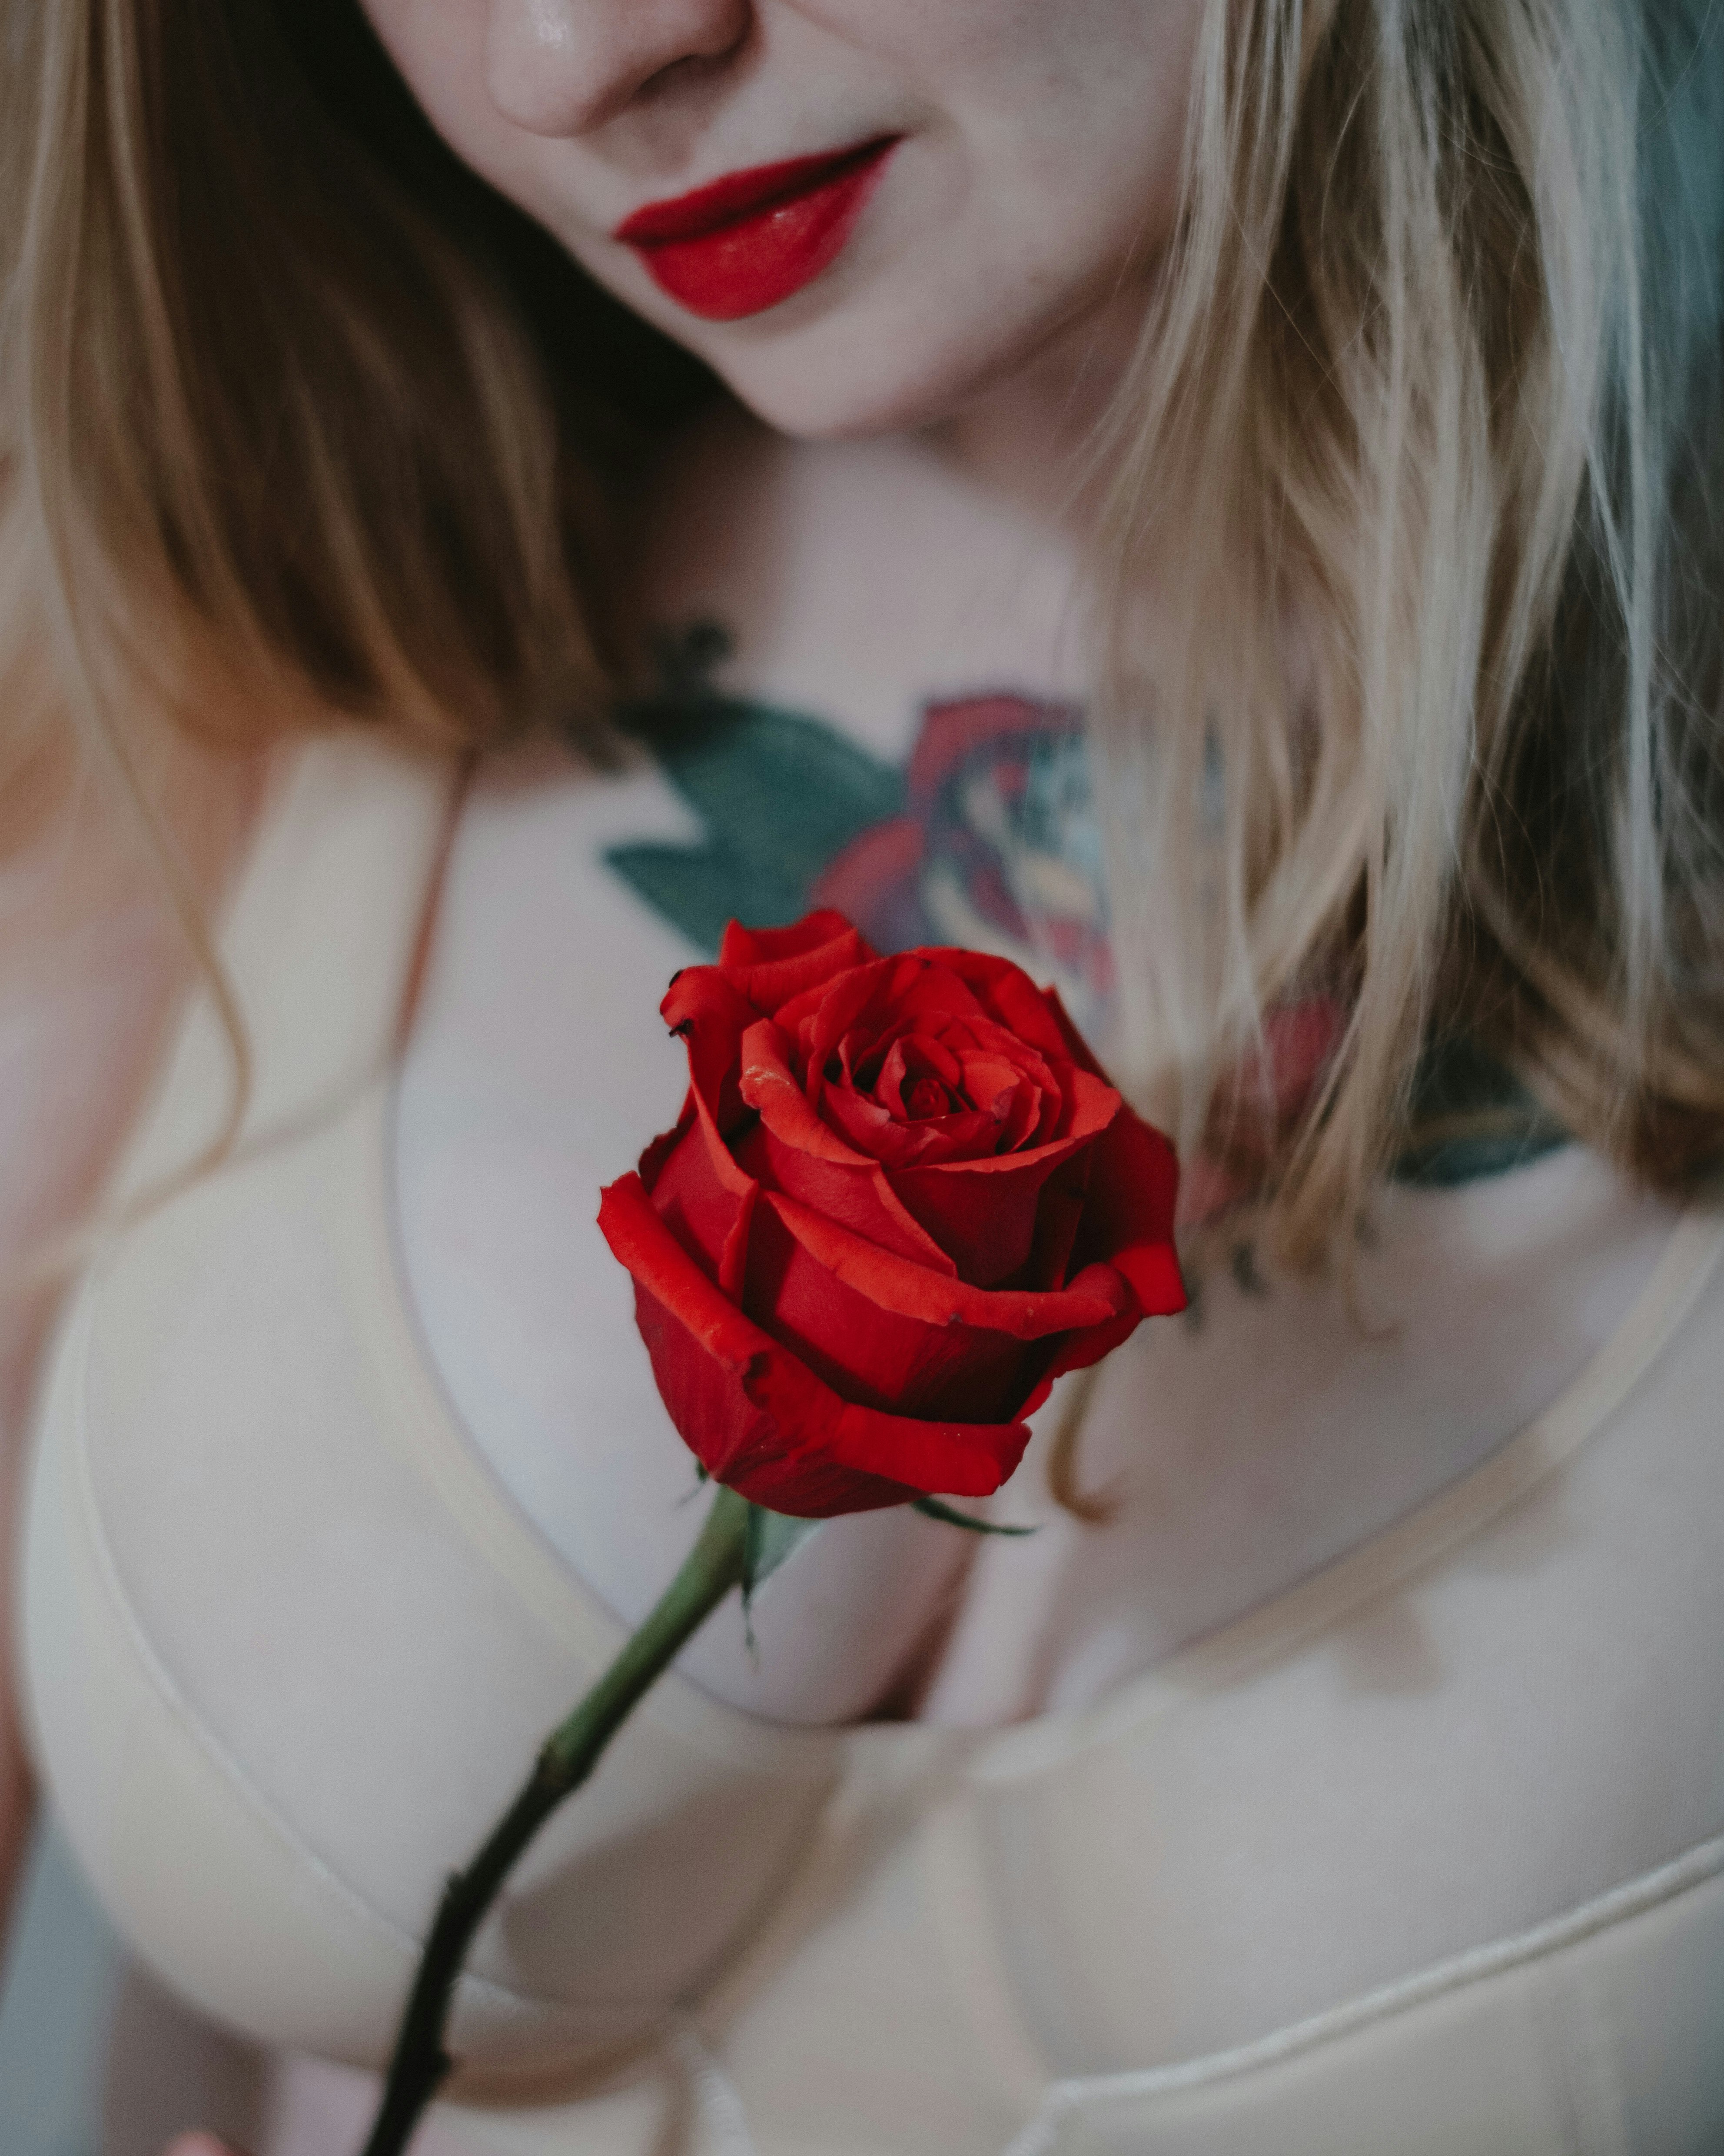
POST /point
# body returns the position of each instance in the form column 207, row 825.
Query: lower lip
column 756, row 260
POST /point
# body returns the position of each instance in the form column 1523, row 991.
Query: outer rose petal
column 700, row 1211
column 1077, row 1047
column 1059, row 1217
column 985, row 1223
column 1128, row 1221
column 1134, row 1186
column 769, row 966
column 758, row 1418
column 653, row 1160
column 900, row 1337
column 707, row 1201
column 1078, row 1351
column 880, row 1357
column 743, row 947
column 891, row 1283
column 711, row 1015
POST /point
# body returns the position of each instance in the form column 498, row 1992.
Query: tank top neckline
column 422, row 1428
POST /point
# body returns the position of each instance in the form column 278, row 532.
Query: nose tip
column 563, row 67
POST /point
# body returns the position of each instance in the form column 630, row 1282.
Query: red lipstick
column 751, row 238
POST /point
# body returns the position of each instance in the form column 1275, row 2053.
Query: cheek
column 1079, row 106
column 1049, row 164
column 1086, row 120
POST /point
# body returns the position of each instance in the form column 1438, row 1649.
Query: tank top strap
column 320, row 943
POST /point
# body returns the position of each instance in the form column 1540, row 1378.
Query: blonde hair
column 292, row 401
column 1438, row 346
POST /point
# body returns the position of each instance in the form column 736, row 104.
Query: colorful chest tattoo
column 987, row 837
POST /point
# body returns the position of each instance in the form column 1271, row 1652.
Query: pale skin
column 969, row 332
column 580, row 109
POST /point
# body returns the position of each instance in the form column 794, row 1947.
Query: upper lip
column 737, row 195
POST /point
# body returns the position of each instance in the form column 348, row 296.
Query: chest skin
column 865, row 665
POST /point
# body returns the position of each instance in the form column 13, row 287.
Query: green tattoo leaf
column 778, row 794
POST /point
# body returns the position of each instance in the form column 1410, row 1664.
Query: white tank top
column 289, row 1643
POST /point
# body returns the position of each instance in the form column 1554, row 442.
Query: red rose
column 901, row 1201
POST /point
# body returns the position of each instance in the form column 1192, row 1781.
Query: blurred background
column 94, row 2060
column 62, row 1976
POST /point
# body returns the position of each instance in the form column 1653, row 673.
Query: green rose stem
column 721, row 1559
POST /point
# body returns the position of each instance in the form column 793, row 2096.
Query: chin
column 844, row 403
column 861, row 372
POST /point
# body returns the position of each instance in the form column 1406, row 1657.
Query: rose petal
column 1059, row 1216
column 1128, row 1221
column 1077, row 1351
column 893, row 1283
column 984, row 1040
column 863, row 1451
column 768, row 1085
column 701, row 1196
column 982, row 1036
column 889, row 997
column 770, row 966
column 912, row 1059
column 871, row 1130
column 926, row 1099
column 984, row 1222
column 758, row 1418
column 1009, row 995
column 709, row 1015
column 860, row 1198
column 660, row 1148
column 1028, row 1110
column 744, row 948
column 983, row 1212
column 821, row 1022
column 898, row 1361
column 985, row 1077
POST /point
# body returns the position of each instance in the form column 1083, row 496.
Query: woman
column 1220, row 497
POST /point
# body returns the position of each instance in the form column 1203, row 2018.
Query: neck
column 1027, row 437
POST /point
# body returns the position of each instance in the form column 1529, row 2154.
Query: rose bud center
column 927, row 1097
